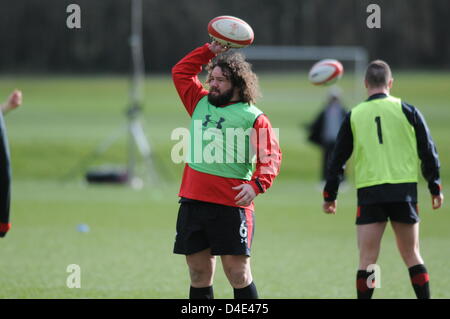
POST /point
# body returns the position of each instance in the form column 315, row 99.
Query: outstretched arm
column 13, row 101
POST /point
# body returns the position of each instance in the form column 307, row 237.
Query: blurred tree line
column 34, row 36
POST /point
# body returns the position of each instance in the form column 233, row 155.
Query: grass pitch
column 298, row 251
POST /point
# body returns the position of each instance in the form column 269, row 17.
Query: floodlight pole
column 136, row 96
column 137, row 142
column 136, row 137
column 137, row 54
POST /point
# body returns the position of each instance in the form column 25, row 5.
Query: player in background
column 13, row 101
column 325, row 127
column 216, row 215
column 387, row 137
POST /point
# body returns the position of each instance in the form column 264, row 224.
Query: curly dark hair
column 239, row 71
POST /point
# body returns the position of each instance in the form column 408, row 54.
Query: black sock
column 248, row 292
column 420, row 281
column 201, row 293
column 363, row 291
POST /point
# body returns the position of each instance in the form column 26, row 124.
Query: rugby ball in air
column 326, row 72
column 231, row 31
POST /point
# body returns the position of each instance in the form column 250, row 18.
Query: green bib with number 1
column 384, row 144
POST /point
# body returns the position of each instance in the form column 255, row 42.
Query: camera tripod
column 137, row 141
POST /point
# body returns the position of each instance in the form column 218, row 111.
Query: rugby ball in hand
column 326, row 72
column 231, row 31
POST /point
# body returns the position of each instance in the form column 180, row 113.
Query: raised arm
column 13, row 101
column 185, row 74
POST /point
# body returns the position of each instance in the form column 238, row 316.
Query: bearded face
column 221, row 89
column 217, row 99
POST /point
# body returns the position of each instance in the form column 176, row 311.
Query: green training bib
column 384, row 143
column 220, row 139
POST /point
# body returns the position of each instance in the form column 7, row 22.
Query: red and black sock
column 363, row 291
column 201, row 293
column 420, row 281
column 248, row 292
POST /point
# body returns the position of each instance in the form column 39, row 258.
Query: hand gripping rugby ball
column 231, row 31
column 326, row 72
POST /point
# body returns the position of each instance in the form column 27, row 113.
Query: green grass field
column 298, row 251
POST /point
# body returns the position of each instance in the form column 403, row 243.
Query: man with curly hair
column 216, row 214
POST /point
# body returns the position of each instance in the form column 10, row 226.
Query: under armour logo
column 218, row 124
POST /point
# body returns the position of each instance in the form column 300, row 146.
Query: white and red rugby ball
column 231, row 31
column 326, row 72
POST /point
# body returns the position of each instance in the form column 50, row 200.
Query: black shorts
column 227, row 230
column 405, row 212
